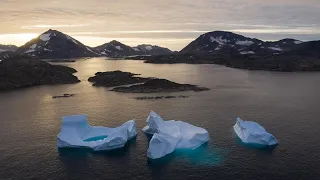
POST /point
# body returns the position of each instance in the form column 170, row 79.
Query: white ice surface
column 171, row 135
column 76, row 133
column 252, row 133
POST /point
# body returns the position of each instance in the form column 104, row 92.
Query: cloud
column 173, row 19
column 46, row 26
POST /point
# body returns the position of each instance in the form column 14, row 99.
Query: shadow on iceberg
column 168, row 136
column 253, row 135
column 77, row 133
column 83, row 152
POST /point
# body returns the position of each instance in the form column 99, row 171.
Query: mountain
column 115, row 49
column 53, row 44
column 218, row 41
column 147, row 49
column 8, row 48
column 118, row 49
column 237, row 51
column 306, row 49
column 222, row 42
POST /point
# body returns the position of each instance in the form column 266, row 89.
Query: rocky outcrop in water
column 116, row 78
column 20, row 72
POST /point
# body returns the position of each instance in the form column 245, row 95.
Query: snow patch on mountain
column 245, row 43
column 70, row 38
column 90, row 50
column 31, row 48
column 119, row 48
column 247, row 52
column 136, row 49
column 45, row 37
column 275, row 48
column 298, row 42
column 148, row 48
column 219, row 40
column 47, row 49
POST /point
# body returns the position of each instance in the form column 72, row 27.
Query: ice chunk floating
column 171, row 135
column 76, row 132
column 252, row 133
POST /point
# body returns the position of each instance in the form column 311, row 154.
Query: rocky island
column 21, row 71
column 139, row 84
column 116, row 78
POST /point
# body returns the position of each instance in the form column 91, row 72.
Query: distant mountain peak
column 53, row 44
column 226, row 43
column 7, row 47
column 115, row 42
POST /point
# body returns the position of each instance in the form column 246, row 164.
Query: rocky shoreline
column 159, row 85
column 20, row 72
column 281, row 63
column 159, row 97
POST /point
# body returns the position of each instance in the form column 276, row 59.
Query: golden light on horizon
column 17, row 39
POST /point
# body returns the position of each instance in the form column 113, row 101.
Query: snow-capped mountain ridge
column 118, row 49
column 115, row 49
column 147, row 49
column 219, row 42
column 53, row 44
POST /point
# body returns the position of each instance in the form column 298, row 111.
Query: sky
column 168, row 23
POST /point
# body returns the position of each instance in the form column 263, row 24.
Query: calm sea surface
column 286, row 104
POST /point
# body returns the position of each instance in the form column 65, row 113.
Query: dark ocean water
column 286, row 104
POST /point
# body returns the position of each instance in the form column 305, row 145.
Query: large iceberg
column 171, row 135
column 252, row 133
column 76, row 132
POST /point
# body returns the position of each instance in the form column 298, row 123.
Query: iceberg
column 252, row 133
column 171, row 135
column 77, row 133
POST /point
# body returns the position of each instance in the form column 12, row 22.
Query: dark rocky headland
column 21, row 72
